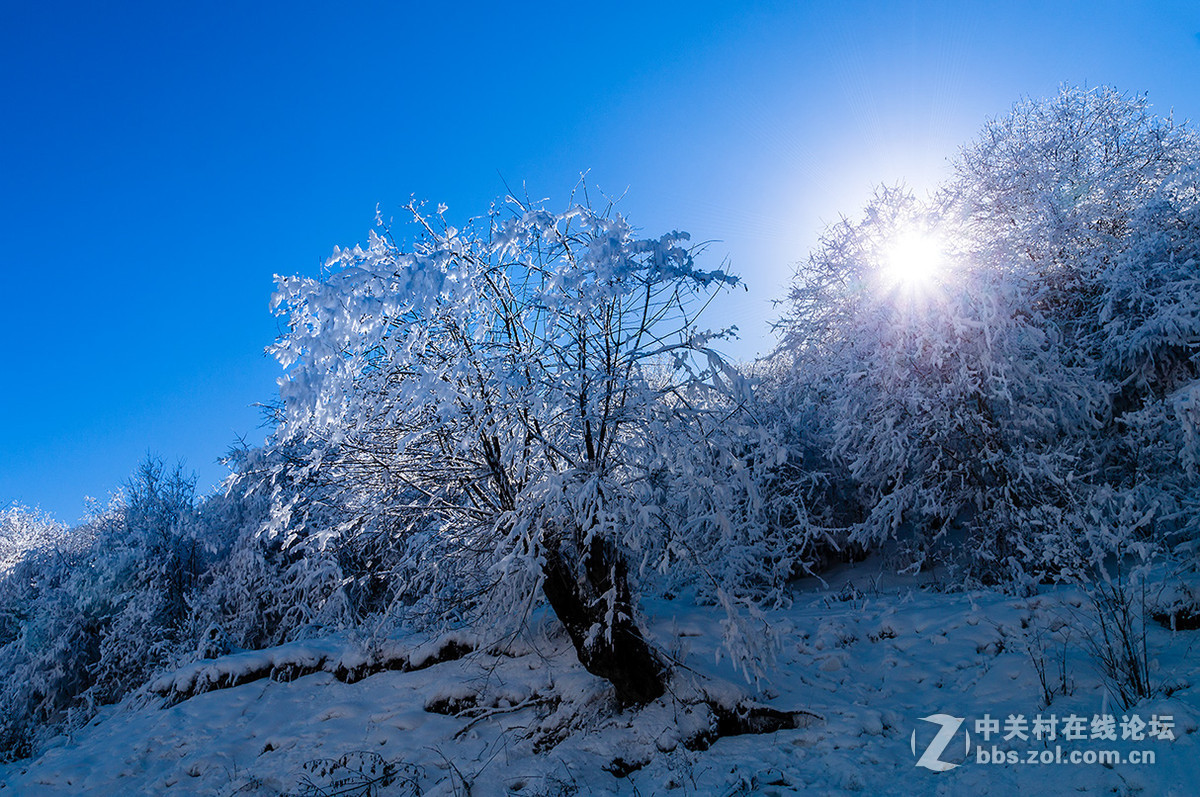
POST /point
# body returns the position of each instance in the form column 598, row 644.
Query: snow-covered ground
column 520, row 716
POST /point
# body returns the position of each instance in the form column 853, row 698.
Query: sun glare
column 913, row 258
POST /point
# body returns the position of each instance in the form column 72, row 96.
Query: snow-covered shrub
column 92, row 617
column 28, row 540
column 1115, row 627
column 271, row 587
column 1047, row 643
column 44, row 657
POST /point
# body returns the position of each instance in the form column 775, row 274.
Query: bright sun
column 913, row 258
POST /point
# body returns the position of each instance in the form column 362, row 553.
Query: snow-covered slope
column 863, row 663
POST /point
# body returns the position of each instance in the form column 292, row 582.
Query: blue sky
column 159, row 163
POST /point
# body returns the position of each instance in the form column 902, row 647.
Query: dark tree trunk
column 619, row 654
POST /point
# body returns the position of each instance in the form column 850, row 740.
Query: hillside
column 861, row 660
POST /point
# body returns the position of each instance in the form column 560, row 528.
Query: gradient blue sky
column 160, row 162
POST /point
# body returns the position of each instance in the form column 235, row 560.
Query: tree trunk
column 617, row 652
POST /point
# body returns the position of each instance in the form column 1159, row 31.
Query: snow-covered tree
column 943, row 397
column 1049, row 191
column 23, row 530
column 1147, row 339
column 507, row 405
column 986, row 402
